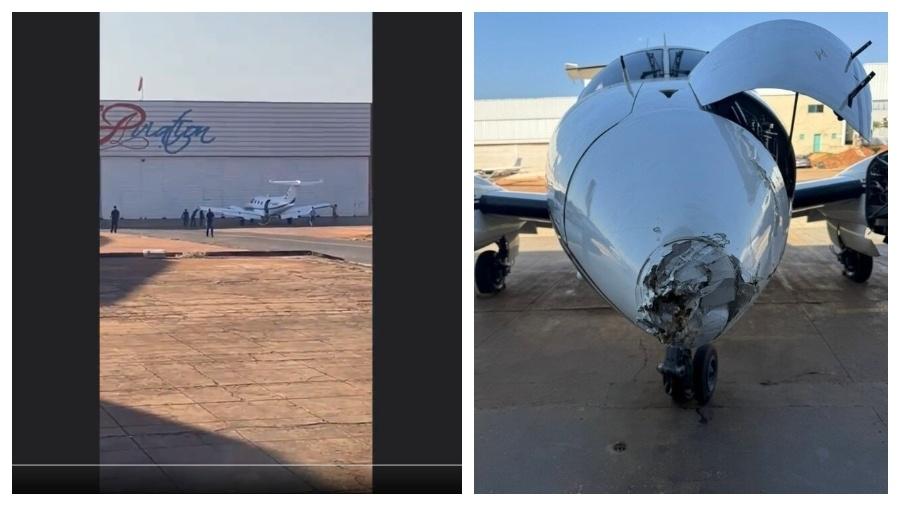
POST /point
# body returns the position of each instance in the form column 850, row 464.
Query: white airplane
column 285, row 207
column 498, row 172
column 671, row 186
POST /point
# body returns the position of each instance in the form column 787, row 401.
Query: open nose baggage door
column 789, row 55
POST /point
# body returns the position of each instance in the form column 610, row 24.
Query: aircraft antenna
column 793, row 116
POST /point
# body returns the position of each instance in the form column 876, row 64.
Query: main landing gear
column 686, row 378
column 491, row 269
column 857, row 266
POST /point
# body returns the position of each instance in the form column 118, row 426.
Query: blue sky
column 276, row 57
column 522, row 55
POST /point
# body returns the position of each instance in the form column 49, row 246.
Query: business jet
column 671, row 186
column 284, row 207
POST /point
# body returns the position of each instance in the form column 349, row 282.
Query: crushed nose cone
column 681, row 237
column 691, row 290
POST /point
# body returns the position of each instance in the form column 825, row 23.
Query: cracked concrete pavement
column 568, row 399
column 263, row 364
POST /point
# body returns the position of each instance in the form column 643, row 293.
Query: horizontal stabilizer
column 296, row 182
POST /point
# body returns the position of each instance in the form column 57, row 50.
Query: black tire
column 857, row 266
column 677, row 388
column 490, row 275
column 706, row 371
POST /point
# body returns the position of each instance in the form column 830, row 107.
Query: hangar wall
column 157, row 187
column 160, row 157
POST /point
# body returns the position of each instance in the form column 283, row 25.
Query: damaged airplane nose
column 680, row 237
column 690, row 290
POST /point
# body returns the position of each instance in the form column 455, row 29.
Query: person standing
column 114, row 217
column 209, row 224
column 184, row 218
column 202, row 218
column 194, row 217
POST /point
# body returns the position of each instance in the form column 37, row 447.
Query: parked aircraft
column 284, row 207
column 671, row 186
column 498, row 172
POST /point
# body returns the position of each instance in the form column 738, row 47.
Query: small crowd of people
column 190, row 220
column 207, row 218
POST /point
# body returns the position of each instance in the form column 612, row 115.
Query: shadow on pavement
column 121, row 276
column 163, row 455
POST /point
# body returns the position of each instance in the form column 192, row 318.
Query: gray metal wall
column 158, row 158
column 233, row 129
column 163, row 187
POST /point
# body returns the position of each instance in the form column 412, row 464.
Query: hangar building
column 511, row 129
column 159, row 157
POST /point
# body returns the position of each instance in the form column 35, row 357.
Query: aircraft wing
column 527, row 206
column 492, row 200
column 811, row 194
column 851, row 183
column 234, row 212
column 305, row 211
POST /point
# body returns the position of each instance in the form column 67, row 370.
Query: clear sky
column 275, row 57
column 522, row 55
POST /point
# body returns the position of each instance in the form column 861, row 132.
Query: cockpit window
column 640, row 65
column 682, row 61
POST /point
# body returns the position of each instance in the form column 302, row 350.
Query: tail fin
column 295, row 182
column 292, row 185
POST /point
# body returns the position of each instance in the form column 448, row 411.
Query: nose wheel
column 686, row 377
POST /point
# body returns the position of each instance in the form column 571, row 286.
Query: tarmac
column 568, row 399
column 352, row 243
column 244, row 374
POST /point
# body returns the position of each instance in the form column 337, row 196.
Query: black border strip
column 417, row 331
column 56, row 80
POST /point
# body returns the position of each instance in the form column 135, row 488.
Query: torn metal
column 691, row 290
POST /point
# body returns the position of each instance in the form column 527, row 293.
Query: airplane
column 671, row 186
column 498, row 172
column 265, row 208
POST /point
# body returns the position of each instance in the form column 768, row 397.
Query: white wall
column 156, row 187
column 512, row 121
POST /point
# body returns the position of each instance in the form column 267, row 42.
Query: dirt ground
column 844, row 159
column 355, row 233
column 133, row 243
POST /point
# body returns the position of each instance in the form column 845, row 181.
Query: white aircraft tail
column 296, row 182
column 292, row 185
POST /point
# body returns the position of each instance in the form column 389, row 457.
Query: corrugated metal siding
column 156, row 187
column 519, row 120
column 234, row 129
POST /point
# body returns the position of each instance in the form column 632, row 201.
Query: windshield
column 640, row 65
column 682, row 61
column 648, row 64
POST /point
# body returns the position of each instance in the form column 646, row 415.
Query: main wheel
column 490, row 274
column 706, row 369
column 857, row 266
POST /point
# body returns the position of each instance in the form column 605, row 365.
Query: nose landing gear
column 686, row 378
